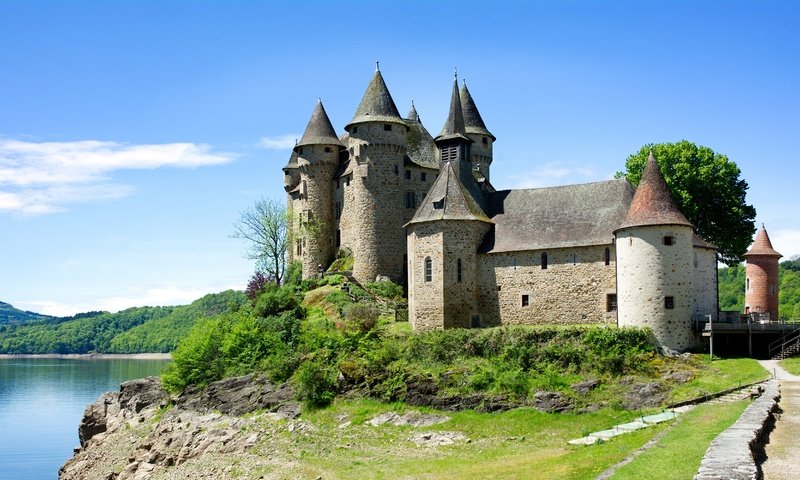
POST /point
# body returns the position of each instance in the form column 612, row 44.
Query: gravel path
column 783, row 450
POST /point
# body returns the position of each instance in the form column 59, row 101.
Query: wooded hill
column 11, row 315
column 135, row 330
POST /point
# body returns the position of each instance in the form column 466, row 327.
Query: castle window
column 607, row 256
column 355, row 130
column 423, row 176
column 299, row 248
column 772, row 289
column 669, row 303
column 347, row 181
column 408, row 174
column 428, row 269
column 575, row 259
column 411, row 200
column 338, row 183
column 544, row 260
column 499, row 287
column 387, row 127
column 695, row 259
column 458, row 270
column 396, row 170
column 338, row 209
column 300, row 151
column 327, row 149
column 338, row 238
column 438, row 204
column 748, row 284
column 668, row 240
column 526, row 300
column 611, row 302
column 485, row 140
column 475, row 320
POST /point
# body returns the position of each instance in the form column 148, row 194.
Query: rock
column 551, row 402
column 681, row 376
column 414, row 419
column 643, row 395
column 95, row 417
column 240, row 395
column 586, row 386
column 436, row 439
column 136, row 395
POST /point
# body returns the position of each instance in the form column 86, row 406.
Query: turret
column 443, row 237
column 654, row 264
column 761, row 276
column 477, row 131
column 377, row 147
column 317, row 160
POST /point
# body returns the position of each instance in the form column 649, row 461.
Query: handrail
column 783, row 341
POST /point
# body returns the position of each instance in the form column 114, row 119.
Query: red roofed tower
column 761, row 287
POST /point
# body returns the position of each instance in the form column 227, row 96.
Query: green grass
column 791, row 365
column 509, row 445
column 718, row 375
column 679, row 453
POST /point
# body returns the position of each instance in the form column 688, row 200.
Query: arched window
column 428, row 269
column 607, row 256
column 458, row 270
column 544, row 260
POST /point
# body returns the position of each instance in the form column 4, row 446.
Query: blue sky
column 133, row 133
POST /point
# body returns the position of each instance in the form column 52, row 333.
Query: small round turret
column 477, row 131
column 761, row 271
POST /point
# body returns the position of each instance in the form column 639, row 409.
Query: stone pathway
column 783, row 450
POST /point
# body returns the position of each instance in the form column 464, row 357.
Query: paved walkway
column 783, row 450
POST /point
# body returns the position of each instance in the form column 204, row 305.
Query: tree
column 265, row 227
column 708, row 191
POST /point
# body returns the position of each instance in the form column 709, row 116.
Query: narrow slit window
column 428, row 269
column 544, row 261
column 526, row 300
column 458, row 271
column 607, row 256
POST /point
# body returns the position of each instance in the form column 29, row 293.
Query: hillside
column 135, row 330
column 731, row 288
column 11, row 315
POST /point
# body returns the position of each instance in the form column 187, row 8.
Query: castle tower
column 654, row 264
column 761, row 287
column 377, row 146
column 476, row 130
column 443, row 240
column 317, row 160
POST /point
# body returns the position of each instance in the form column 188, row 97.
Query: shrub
column 198, row 359
column 316, row 383
column 360, row 317
column 276, row 300
column 294, row 273
column 256, row 285
column 386, row 289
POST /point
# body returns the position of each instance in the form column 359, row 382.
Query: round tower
column 654, row 248
column 476, row 130
column 377, row 147
column 317, row 161
column 761, row 271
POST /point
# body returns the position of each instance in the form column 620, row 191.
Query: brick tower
column 761, row 287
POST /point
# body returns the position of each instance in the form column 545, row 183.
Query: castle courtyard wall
column 704, row 284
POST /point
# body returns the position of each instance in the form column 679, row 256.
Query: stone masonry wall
column 461, row 298
column 762, row 280
column 316, row 169
column 649, row 271
column 425, row 299
column 481, row 153
column 704, row 284
column 572, row 290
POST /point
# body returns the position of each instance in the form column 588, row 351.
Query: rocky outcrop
column 140, row 431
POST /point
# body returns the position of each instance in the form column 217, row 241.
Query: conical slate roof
column 762, row 245
column 652, row 203
column 448, row 200
column 473, row 122
column 420, row 148
column 454, row 126
column 412, row 113
column 377, row 104
column 319, row 130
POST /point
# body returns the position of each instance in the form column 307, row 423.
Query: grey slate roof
column 292, row 162
column 762, row 245
column 377, row 104
column 454, row 125
column 556, row 217
column 420, row 148
column 473, row 122
column 653, row 204
column 319, row 130
column 448, row 200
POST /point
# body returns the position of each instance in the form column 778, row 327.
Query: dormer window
column 438, row 204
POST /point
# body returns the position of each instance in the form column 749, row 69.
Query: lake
column 41, row 403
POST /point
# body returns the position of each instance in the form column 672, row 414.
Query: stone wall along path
column 783, row 449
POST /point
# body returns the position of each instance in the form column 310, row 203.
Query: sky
column 133, row 134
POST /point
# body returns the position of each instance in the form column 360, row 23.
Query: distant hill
column 135, row 330
column 11, row 315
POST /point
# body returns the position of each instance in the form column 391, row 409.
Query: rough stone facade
column 422, row 211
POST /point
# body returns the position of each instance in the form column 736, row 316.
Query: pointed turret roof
column 319, row 130
column 762, row 245
column 448, row 200
column 652, row 203
column 454, row 126
column 420, row 148
column 377, row 104
column 412, row 113
column 473, row 122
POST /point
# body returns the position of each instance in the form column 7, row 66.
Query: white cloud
column 281, row 142
column 786, row 241
column 552, row 174
column 149, row 297
column 43, row 177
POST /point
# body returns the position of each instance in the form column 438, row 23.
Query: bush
column 316, row 383
column 386, row 289
column 360, row 317
column 294, row 273
column 198, row 359
column 276, row 300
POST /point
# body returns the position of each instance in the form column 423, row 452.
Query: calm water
column 42, row 402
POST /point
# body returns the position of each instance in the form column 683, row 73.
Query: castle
column 423, row 212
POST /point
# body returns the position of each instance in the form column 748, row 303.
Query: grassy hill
column 11, row 315
column 135, row 330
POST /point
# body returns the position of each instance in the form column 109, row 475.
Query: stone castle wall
column 425, row 299
column 461, row 297
column 649, row 271
column 761, row 287
column 316, row 218
column 704, row 284
column 573, row 289
column 481, row 153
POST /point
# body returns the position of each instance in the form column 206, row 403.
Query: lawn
column 718, row 375
column 791, row 365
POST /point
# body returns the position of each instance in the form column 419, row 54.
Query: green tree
column 265, row 227
column 708, row 191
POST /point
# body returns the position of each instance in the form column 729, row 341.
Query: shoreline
column 88, row 356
